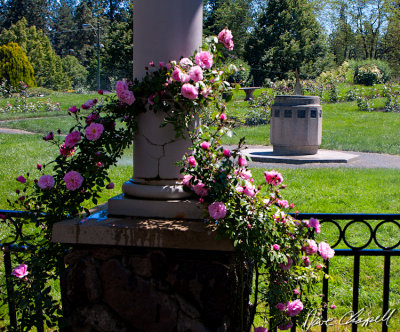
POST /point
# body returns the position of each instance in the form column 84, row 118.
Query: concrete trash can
column 296, row 125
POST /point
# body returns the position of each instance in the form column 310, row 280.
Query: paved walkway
column 365, row 160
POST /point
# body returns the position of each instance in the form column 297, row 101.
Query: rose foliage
column 278, row 248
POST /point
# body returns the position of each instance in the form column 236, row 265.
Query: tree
column 15, row 66
column 76, row 73
column 287, row 36
column 46, row 63
column 36, row 12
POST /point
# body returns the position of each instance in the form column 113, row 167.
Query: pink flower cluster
column 225, row 37
column 291, row 308
column 273, row 177
column 72, row 139
column 217, row 210
column 325, row 250
column 94, row 131
column 123, row 93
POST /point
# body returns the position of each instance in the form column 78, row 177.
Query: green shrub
column 76, row 73
column 242, row 75
column 15, row 66
column 370, row 72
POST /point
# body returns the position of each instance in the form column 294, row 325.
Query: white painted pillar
column 163, row 30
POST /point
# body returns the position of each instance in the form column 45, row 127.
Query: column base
column 152, row 190
column 123, row 205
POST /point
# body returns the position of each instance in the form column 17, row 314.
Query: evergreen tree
column 76, row 73
column 287, row 36
column 36, row 12
column 46, row 63
column 15, row 66
column 63, row 27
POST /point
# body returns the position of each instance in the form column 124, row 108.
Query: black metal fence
column 373, row 223
column 341, row 223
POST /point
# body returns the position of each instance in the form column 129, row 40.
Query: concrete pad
column 323, row 156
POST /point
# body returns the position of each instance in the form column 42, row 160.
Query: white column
column 163, row 30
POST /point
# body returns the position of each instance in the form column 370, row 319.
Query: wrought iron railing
column 342, row 222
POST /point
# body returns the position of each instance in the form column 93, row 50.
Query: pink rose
column 222, row 117
column 276, row 247
column 72, row 139
column 217, row 210
column 287, row 266
column 306, row 260
column 249, row 191
column 123, row 93
column 281, row 307
column 242, row 161
column 196, row 73
column 333, row 306
column 192, row 161
column 294, row 308
column 325, row 250
column 185, row 78
column 73, row 180
column 21, row 179
column 260, row 329
column 189, row 91
column 89, row 104
column 204, row 59
column 49, row 136
column 177, row 74
column 225, row 38
column 73, row 109
column 314, row 223
column 227, row 153
column 296, row 291
column 94, row 131
column 200, row 189
column 205, row 145
column 185, row 63
column 311, row 247
column 20, row 271
column 283, row 203
column 39, row 167
column 186, row 180
column 273, row 178
column 46, row 182
column 66, row 152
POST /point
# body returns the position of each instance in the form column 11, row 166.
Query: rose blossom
column 177, row 74
column 192, row 161
column 185, row 63
column 227, row 153
column 294, row 308
column 204, row 59
column 186, row 180
column 46, row 182
column 66, row 152
column 287, row 266
column 225, row 37
column 283, row 203
column 72, row 139
column 306, row 260
column 20, row 271
column 249, row 191
column 222, row 117
column 276, row 247
column 217, row 210
column 281, row 306
column 273, row 177
column 21, row 179
column 73, row 180
column 73, row 109
column 89, row 104
column 333, row 306
column 314, row 223
column 196, row 73
column 49, row 136
column 94, row 131
column 110, row 185
column 200, row 189
column 205, row 145
column 325, row 250
column 311, row 248
column 205, row 92
column 260, row 329
column 242, row 161
column 123, row 93
column 296, row 291
column 189, row 91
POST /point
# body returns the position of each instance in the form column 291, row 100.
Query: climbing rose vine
column 280, row 249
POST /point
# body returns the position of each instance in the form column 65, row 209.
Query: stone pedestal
column 296, row 125
column 141, row 274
